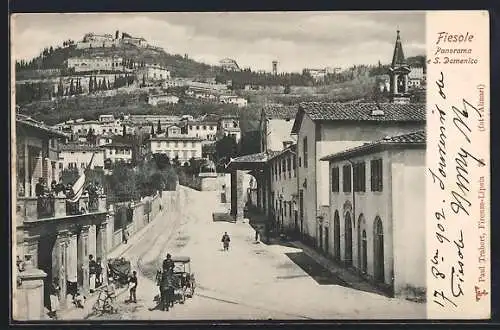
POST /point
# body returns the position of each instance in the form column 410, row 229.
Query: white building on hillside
column 152, row 73
column 206, row 130
column 117, row 152
column 78, row 156
column 162, row 99
column 233, row 99
column 95, row 64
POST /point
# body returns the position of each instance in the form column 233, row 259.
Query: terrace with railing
column 31, row 209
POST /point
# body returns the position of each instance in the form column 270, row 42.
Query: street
column 250, row 281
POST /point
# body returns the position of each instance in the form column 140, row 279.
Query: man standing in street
column 225, row 241
column 133, row 287
column 92, row 272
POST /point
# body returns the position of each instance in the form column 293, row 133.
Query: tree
column 117, row 34
column 158, row 129
column 152, row 130
column 69, row 175
column 287, row 89
column 176, row 162
column 124, row 131
column 71, row 88
column 225, row 148
column 162, row 161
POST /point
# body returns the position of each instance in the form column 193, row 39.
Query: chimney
column 378, row 111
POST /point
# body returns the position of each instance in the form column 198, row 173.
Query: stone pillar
column 72, row 259
column 92, row 244
column 233, row 193
column 38, row 171
column 405, row 83
column 83, row 259
column 31, row 249
column 394, row 82
column 46, row 171
column 27, row 170
column 29, row 296
column 240, row 196
column 102, row 248
column 59, row 262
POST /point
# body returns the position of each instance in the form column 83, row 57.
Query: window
column 204, row 127
column 211, row 128
column 60, row 166
column 359, row 171
column 176, row 144
column 82, row 165
column 294, row 163
column 279, row 170
column 276, row 171
column 346, row 178
column 197, row 127
column 304, row 152
column 190, row 127
column 335, row 179
column 289, row 162
column 376, row 174
column 185, row 144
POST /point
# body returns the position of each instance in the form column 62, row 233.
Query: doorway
column 327, row 240
column 301, row 210
column 336, row 236
column 320, row 237
column 378, row 250
column 348, row 240
column 45, row 248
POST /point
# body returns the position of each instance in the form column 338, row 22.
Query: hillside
column 54, row 58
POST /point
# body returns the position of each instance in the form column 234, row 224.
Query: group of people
column 65, row 190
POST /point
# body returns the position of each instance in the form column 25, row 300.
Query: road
column 251, row 281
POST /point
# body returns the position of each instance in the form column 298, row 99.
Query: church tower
column 398, row 73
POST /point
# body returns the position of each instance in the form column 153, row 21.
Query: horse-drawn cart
column 119, row 270
column 177, row 285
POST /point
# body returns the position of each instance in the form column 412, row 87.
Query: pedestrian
column 39, row 188
column 79, row 299
column 225, row 241
column 256, row 235
column 54, row 298
column 132, row 281
column 125, row 236
column 98, row 272
column 92, row 273
column 168, row 264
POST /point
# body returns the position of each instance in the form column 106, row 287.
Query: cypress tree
column 158, row 130
column 71, row 88
column 152, row 130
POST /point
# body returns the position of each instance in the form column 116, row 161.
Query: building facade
column 229, row 126
column 206, row 130
column 182, row 147
column 162, row 99
column 95, row 64
column 275, row 124
column 53, row 236
column 283, row 191
column 325, row 128
column 118, row 152
column 75, row 155
column 233, row 99
column 377, row 207
column 153, row 73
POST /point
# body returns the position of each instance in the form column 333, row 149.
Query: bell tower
column 398, row 73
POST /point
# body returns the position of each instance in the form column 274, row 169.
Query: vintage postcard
column 250, row 166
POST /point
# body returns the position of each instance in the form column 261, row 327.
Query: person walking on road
column 225, row 241
column 132, row 281
column 92, row 273
column 54, row 298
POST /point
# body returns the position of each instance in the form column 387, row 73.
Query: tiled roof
column 28, row 121
column 408, row 140
column 276, row 154
column 175, row 138
column 261, row 157
column 118, row 144
column 377, row 112
column 278, row 111
column 79, row 147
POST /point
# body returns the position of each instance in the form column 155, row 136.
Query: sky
column 296, row 40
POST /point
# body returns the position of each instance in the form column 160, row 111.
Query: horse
column 165, row 281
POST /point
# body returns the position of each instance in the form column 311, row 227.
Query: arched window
column 378, row 250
